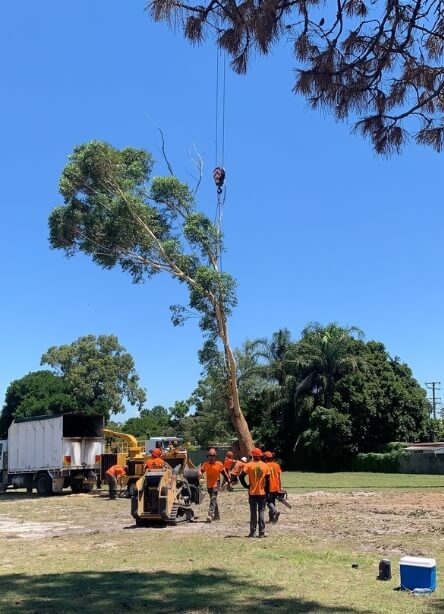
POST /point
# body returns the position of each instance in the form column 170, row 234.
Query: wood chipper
column 167, row 494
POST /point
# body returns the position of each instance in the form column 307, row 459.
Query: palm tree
column 322, row 356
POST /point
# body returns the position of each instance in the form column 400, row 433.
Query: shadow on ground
column 214, row 591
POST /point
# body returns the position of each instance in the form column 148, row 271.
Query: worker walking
column 213, row 468
column 275, row 487
column 156, row 461
column 112, row 475
column 258, row 484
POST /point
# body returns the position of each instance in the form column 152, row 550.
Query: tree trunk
column 246, row 443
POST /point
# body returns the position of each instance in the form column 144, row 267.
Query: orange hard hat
column 268, row 454
column 156, row 453
column 256, row 452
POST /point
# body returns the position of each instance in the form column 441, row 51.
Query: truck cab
column 164, row 443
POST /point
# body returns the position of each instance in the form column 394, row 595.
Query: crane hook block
column 219, row 178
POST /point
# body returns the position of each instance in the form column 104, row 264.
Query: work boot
column 276, row 517
column 251, row 534
column 209, row 518
column 262, row 535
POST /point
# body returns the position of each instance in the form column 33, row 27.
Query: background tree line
column 317, row 401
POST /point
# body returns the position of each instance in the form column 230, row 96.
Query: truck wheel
column 44, row 485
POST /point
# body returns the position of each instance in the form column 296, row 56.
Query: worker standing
column 275, row 486
column 113, row 474
column 156, row 461
column 258, row 485
column 213, row 468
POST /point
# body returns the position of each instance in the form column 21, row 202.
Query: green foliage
column 36, row 394
column 328, row 441
column 115, row 215
column 378, row 462
column 320, row 400
column 98, row 372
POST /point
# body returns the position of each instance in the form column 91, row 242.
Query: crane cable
column 219, row 171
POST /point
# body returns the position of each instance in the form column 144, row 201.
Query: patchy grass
column 83, row 552
column 350, row 481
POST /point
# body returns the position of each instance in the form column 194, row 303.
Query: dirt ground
column 390, row 522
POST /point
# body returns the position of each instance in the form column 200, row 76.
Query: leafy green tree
column 384, row 401
column 98, row 372
column 322, row 356
column 377, row 60
column 328, row 441
column 113, row 213
column 37, row 394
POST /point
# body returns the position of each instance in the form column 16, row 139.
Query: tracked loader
column 167, row 494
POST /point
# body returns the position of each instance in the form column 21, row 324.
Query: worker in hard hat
column 213, row 469
column 228, row 465
column 258, row 485
column 113, row 475
column 156, row 461
column 275, row 486
column 237, row 470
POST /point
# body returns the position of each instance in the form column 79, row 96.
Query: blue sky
column 317, row 227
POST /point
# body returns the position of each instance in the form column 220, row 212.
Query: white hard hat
column 244, row 459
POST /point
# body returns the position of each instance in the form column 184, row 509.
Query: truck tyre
column 44, row 485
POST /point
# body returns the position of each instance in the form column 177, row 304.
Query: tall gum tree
column 121, row 217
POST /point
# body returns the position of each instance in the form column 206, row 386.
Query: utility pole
column 433, row 386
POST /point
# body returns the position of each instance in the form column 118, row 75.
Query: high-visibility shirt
column 212, row 471
column 115, row 471
column 275, row 476
column 256, row 471
column 238, row 468
column 154, row 463
column 228, row 463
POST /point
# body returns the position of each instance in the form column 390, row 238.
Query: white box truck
column 50, row 453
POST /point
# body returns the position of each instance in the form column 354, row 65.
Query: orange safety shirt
column 275, row 476
column 213, row 471
column 238, row 468
column 228, row 463
column 154, row 463
column 256, row 471
column 115, row 471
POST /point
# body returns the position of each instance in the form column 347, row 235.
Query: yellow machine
column 167, row 494
column 134, row 459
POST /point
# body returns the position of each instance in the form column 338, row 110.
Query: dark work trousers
column 257, row 505
column 271, row 504
column 112, row 486
column 213, row 510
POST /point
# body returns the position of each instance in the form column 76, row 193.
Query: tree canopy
column 376, row 61
column 38, row 393
column 93, row 375
column 121, row 217
column 98, row 372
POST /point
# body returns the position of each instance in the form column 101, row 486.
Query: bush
column 378, row 462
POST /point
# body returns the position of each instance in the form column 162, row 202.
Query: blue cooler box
column 417, row 572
